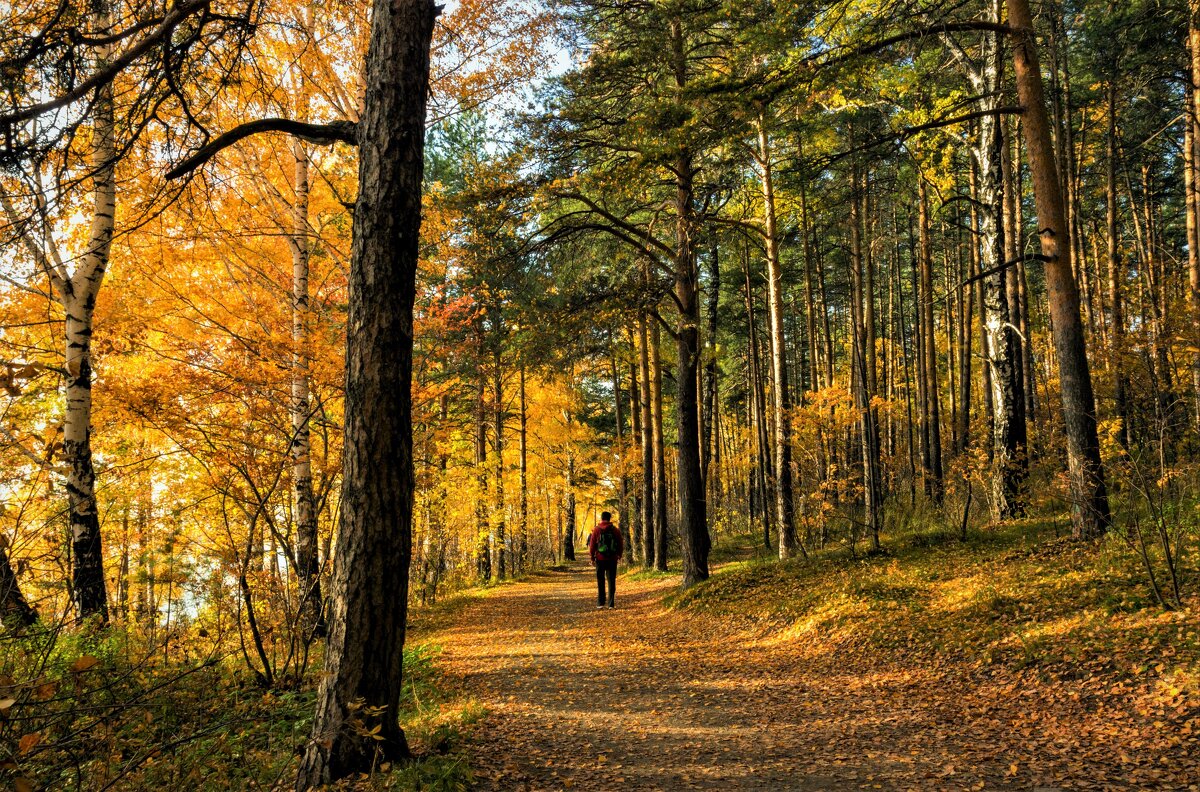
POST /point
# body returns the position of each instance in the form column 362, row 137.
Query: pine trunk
column 635, row 446
column 364, row 655
column 861, row 383
column 649, row 494
column 693, row 517
column 660, row 459
column 932, row 423
column 1089, row 494
column 1193, row 197
column 500, row 541
column 1116, row 331
column 522, row 559
column 781, row 418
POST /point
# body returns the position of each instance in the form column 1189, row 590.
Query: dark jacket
column 594, row 540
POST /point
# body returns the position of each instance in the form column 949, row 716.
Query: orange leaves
column 488, row 48
column 84, row 663
column 28, row 742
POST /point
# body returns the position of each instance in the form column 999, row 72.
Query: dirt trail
column 642, row 698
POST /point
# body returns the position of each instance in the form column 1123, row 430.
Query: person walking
column 605, row 546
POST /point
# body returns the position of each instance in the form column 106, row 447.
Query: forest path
column 644, row 698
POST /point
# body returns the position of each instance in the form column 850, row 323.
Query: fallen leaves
column 660, row 699
column 28, row 742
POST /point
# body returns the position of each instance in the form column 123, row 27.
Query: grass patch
column 433, row 617
column 640, row 573
column 93, row 710
column 1013, row 597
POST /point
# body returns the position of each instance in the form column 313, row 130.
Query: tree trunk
column 982, row 262
column 861, row 384
column 660, row 459
column 756, row 394
column 499, row 546
column 1115, row 277
column 781, row 401
column 1015, row 282
column 999, row 338
column 1193, row 196
column 636, row 397
column 712, row 401
column 649, row 478
column 933, row 430
column 308, row 567
column 868, row 260
column 827, row 346
column 966, row 324
column 623, row 476
column 1089, row 494
column 1013, row 251
column 1009, row 458
column 810, row 312
column 15, row 610
column 693, row 517
column 483, row 523
column 364, row 654
column 907, row 355
column 77, row 294
column 572, row 519
column 1154, row 275
column 523, row 506
column 122, row 571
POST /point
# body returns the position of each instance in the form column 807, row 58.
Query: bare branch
column 112, row 69
column 317, row 134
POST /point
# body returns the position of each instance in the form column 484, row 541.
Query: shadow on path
column 642, row 698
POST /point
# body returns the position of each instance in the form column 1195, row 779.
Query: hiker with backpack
column 605, row 546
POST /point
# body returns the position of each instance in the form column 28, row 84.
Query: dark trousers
column 606, row 569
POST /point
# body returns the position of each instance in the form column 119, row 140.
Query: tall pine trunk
column 712, row 399
column 693, row 516
column 649, row 493
column 634, row 451
column 1089, row 494
column 861, row 384
column 781, row 398
column 932, row 423
column 1115, row 277
column 500, row 541
column 1193, row 196
column 658, row 445
column 364, row 655
column 522, row 558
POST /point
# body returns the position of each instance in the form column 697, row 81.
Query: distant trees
column 872, row 230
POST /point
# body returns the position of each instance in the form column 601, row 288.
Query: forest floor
column 913, row 683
